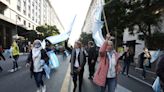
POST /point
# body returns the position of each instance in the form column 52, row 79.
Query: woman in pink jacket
column 109, row 67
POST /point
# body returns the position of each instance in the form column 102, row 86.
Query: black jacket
column 44, row 56
column 127, row 58
column 92, row 54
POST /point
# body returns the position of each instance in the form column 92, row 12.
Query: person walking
column 1, row 57
column 36, row 60
column 15, row 55
column 78, row 61
column 92, row 58
column 127, row 58
column 145, row 61
column 109, row 67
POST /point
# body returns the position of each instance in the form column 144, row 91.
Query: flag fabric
column 98, row 24
column 53, row 61
column 156, row 85
column 63, row 36
column 155, row 56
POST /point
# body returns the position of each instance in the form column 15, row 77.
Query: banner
column 98, row 24
column 63, row 36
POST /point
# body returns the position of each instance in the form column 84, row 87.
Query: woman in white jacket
column 36, row 58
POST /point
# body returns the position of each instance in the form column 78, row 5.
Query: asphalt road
column 20, row 80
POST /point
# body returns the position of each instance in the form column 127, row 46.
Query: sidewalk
column 136, row 73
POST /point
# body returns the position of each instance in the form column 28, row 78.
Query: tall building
column 23, row 15
column 87, row 27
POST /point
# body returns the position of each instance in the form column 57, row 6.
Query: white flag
column 98, row 24
column 61, row 37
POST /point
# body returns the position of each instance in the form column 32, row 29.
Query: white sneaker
column 44, row 88
column 38, row 90
column 12, row 70
column 16, row 69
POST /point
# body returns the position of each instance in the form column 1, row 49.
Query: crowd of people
column 105, row 75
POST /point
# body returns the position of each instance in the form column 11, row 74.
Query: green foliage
column 85, row 38
column 156, row 41
column 123, row 14
column 47, row 30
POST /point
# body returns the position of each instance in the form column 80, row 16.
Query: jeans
column 144, row 71
column 15, row 64
column 38, row 79
column 126, row 66
column 112, row 83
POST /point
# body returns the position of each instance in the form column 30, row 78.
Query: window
column 33, row 18
column 19, row 5
column 29, row 25
column 19, row 18
column 33, row 3
column 33, row 27
column 29, row 15
column 24, row 4
column 24, row 12
column 24, row 22
column 29, row 7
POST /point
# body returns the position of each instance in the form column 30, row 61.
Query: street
column 20, row 81
column 60, row 80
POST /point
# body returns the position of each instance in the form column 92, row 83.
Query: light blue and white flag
column 63, row 36
column 154, row 56
column 98, row 24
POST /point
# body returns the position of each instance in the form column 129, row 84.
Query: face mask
column 37, row 45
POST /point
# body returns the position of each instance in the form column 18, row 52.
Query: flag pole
column 106, row 25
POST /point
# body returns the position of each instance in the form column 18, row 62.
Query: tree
column 145, row 14
column 85, row 38
column 47, row 30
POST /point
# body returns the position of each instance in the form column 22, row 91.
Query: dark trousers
column 75, row 77
column 1, row 69
column 91, row 69
column 126, row 66
column 144, row 71
column 38, row 79
column 15, row 64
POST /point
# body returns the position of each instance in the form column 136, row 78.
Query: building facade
column 24, row 15
column 87, row 27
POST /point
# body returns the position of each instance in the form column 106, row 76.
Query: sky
column 67, row 10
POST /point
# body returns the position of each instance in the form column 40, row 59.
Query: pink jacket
column 102, row 71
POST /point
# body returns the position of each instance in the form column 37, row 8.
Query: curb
column 133, row 77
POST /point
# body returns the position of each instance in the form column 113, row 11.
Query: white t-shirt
column 76, row 60
column 112, row 65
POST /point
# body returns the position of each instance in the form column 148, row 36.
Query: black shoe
column 91, row 78
column 1, row 69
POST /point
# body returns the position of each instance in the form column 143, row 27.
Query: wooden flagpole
column 106, row 24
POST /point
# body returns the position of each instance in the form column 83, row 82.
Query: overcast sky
column 67, row 9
